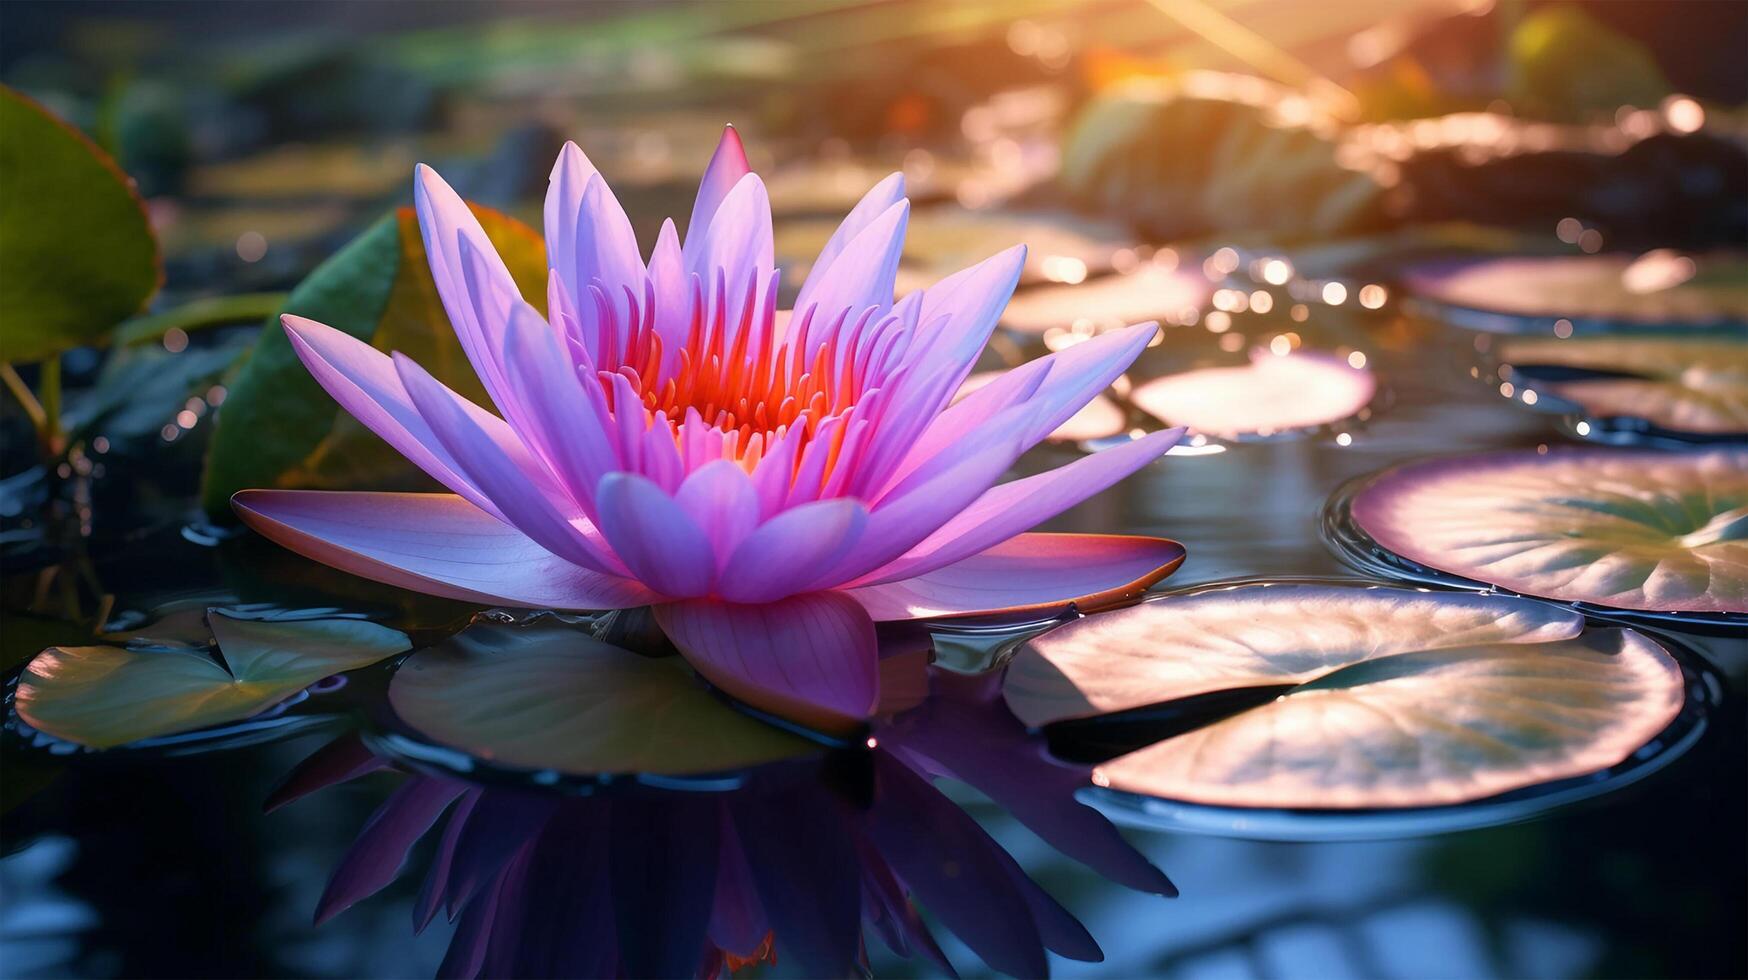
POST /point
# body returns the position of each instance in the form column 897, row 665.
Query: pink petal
column 1029, row 573
column 434, row 543
column 653, row 535
column 972, row 300
column 738, row 239
column 363, row 380
column 719, row 496
column 559, row 418
column 727, row 166
column 793, row 550
column 1076, row 376
column 527, row 508
column 809, row 658
column 570, row 176
column 444, row 220
column 1014, row 507
column 879, row 199
column 864, row 274
column 673, row 297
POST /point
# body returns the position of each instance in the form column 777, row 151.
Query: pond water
column 161, row 861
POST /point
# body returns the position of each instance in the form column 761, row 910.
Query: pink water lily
column 772, row 484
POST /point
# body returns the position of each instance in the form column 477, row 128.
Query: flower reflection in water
column 800, row 861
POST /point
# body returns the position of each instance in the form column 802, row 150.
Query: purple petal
column 972, row 300
column 381, row 848
column 879, row 199
column 1029, row 573
column 363, row 380
column 433, row 543
column 864, row 274
column 810, row 658
column 342, row 760
column 738, row 240
column 793, row 550
column 561, row 422
column 719, row 496
column 801, row 855
column 526, row 508
column 478, row 317
column 727, row 166
column 663, row 547
column 1020, row 505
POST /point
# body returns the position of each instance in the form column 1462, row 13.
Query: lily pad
column 80, row 254
column 1150, row 293
column 1629, row 530
column 1680, row 384
column 549, row 697
column 1529, row 293
column 1367, row 697
column 280, row 429
column 1100, row 418
column 102, row 696
column 1274, row 393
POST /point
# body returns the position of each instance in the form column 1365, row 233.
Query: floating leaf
column 1658, row 288
column 280, row 429
column 1152, row 293
column 80, row 255
column 1696, row 384
column 107, row 696
column 1370, row 697
column 550, row 697
column 1100, row 418
column 1664, row 532
column 1274, row 393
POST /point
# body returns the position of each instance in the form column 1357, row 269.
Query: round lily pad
column 102, row 697
column 1150, row 293
column 1272, row 394
column 549, row 697
column 1530, row 293
column 1361, row 697
column 1625, row 530
column 1662, row 384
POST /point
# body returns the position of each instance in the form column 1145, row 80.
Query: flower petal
column 864, row 274
column 561, row 421
column 738, row 240
column 1017, row 506
column 376, row 856
column 972, row 301
column 477, row 316
column 809, row 658
column 528, row 509
column 793, row 550
column 433, row 543
column 879, row 199
column 1029, row 573
column 588, row 236
column 653, row 535
column 727, row 166
column 720, row 497
column 363, row 380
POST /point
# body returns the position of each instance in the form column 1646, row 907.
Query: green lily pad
column 546, row 696
column 1370, row 697
column 80, row 254
column 1647, row 531
column 102, row 696
column 280, row 429
column 1695, row 384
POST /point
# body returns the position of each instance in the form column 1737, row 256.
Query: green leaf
column 107, row 696
column 1388, row 697
column 77, row 254
column 551, row 697
column 280, row 429
column 1562, row 63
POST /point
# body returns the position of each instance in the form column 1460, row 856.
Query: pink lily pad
column 1660, row 532
column 1274, row 393
column 1386, row 697
column 1656, row 288
column 1150, row 293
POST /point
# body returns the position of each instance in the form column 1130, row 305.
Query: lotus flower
column 771, row 484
